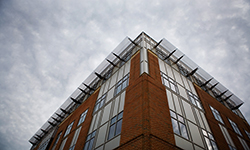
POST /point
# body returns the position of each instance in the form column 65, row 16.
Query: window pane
column 93, row 134
column 208, row 143
column 198, row 104
column 86, row 146
column 118, row 127
column 120, row 115
column 111, row 131
column 192, row 100
column 88, row 137
column 210, row 136
column 214, row 145
column 166, row 83
column 113, row 120
column 175, row 126
column 180, row 118
column 124, row 85
column 173, row 114
column 96, row 107
column 101, row 103
column 91, row 144
column 204, row 132
column 118, row 90
column 183, row 131
column 172, row 87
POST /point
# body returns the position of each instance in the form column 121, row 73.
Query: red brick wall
column 146, row 116
column 225, row 113
column 75, row 116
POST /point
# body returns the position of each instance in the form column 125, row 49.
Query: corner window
column 235, row 127
column 179, row 125
column 82, row 117
column 68, row 129
column 248, row 134
column 216, row 115
column 115, row 126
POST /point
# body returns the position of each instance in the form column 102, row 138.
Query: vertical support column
column 143, row 57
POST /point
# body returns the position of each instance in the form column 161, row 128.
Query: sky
column 48, row 48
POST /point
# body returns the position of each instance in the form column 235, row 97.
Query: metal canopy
column 119, row 50
column 235, row 101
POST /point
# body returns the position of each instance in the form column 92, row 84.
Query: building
column 146, row 95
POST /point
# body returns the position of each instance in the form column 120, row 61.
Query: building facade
column 146, row 95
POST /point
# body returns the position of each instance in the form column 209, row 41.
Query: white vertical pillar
column 143, row 56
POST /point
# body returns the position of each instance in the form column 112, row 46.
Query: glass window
column 209, row 139
column 68, row 129
column 89, row 141
column 121, row 85
column 63, row 143
column 248, row 134
column 82, row 117
column 179, row 125
column 227, row 137
column 235, row 127
column 244, row 144
column 216, row 115
column 195, row 100
column 72, row 147
column 169, row 83
column 115, row 126
column 99, row 103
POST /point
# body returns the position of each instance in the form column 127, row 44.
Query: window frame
column 169, row 83
column 100, row 103
column 182, row 121
column 216, row 114
column 69, row 127
column 194, row 100
column 113, row 126
column 235, row 127
column 209, row 140
column 121, row 84
column 90, row 140
column 82, row 117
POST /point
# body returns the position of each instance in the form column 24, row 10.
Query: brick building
column 146, row 95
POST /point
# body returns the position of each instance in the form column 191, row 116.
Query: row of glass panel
column 108, row 107
column 184, row 106
column 106, row 124
column 184, row 72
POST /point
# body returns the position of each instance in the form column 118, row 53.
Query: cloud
column 49, row 48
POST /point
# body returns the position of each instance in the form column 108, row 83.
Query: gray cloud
column 48, row 48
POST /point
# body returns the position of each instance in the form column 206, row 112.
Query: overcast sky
column 47, row 48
